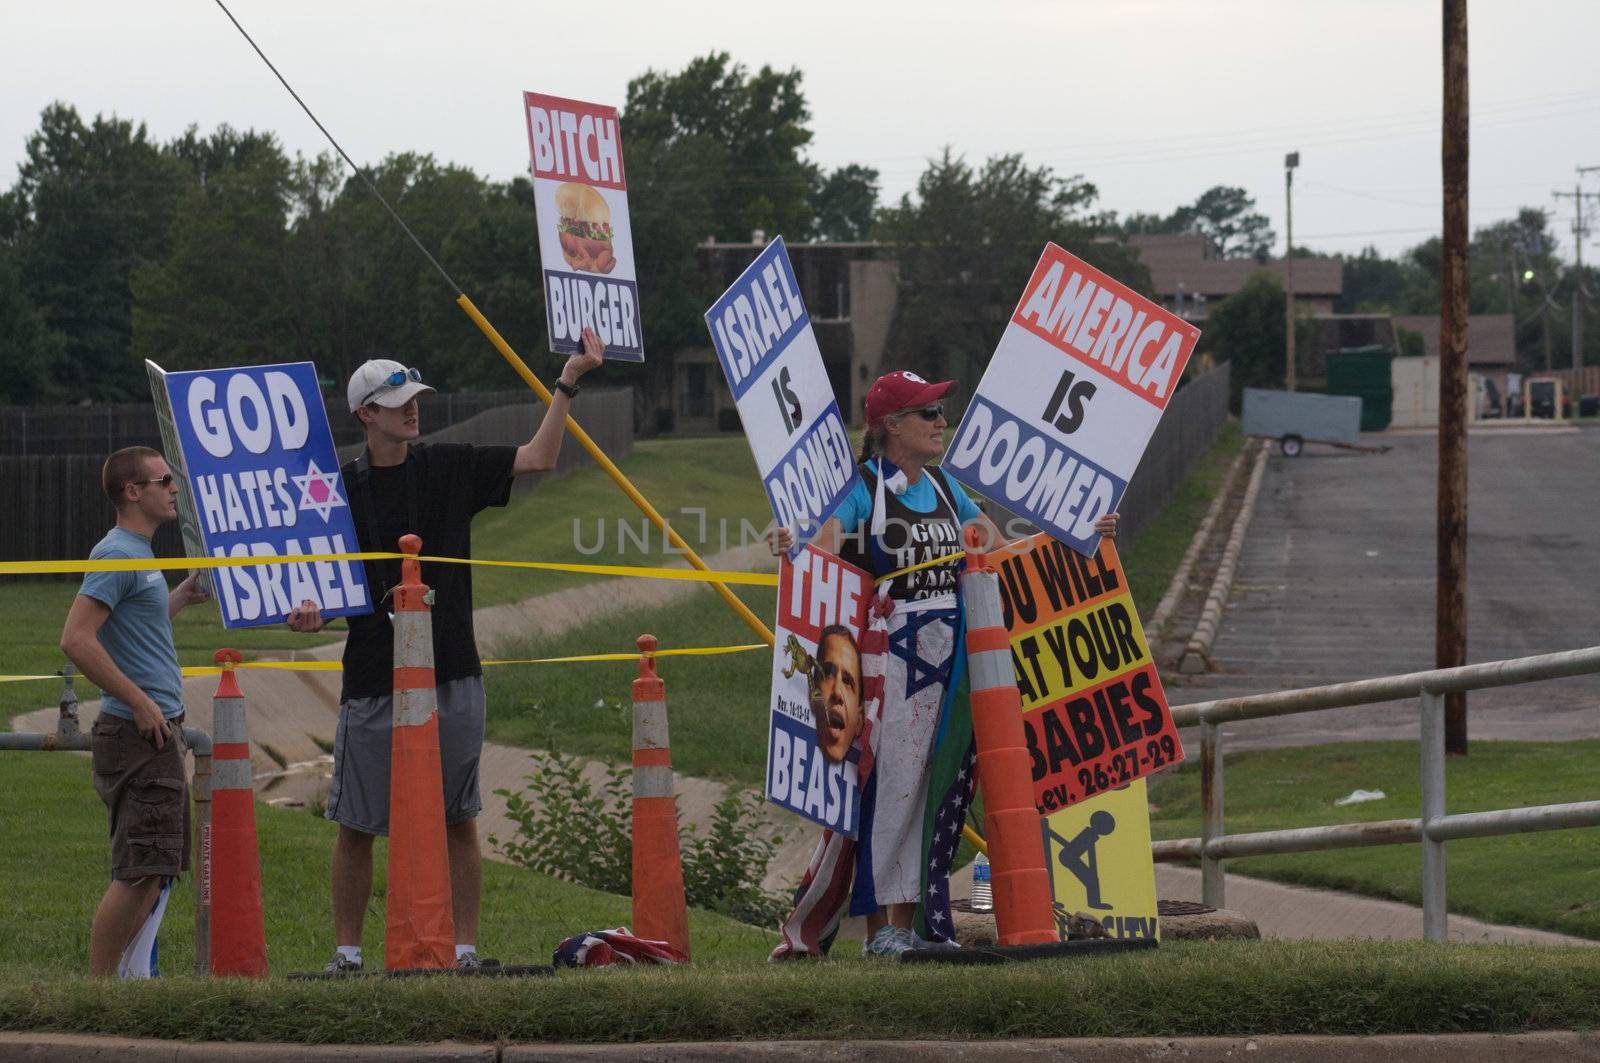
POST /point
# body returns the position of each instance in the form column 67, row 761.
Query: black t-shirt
column 439, row 488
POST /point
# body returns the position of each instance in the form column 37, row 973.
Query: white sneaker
column 920, row 942
column 883, row 943
column 342, row 964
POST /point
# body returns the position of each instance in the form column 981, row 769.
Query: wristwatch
column 569, row 390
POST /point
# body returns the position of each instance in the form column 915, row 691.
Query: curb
column 1197, row 657
column 1553, row 1046
column 1202, row 535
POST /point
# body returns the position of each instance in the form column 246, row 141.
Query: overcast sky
column 1152, row 100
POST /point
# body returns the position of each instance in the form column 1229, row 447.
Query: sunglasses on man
column 164, row 481
column 930, row 412
column 394, row 380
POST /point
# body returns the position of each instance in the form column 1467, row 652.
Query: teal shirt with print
column 920, row 497
column 138, row 633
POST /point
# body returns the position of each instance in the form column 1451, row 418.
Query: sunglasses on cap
column 931, row 412
column 164, row 481
column 394, row 380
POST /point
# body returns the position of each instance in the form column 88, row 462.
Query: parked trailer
column 1295, row 418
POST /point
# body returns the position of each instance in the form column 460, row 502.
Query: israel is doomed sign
column 1069, row 400
column 763, row 338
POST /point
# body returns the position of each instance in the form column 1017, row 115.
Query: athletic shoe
column 886, row 942
column 920, row 942
column 342, row 964
column 470, row 963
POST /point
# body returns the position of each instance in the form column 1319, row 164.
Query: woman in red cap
column 906, row 510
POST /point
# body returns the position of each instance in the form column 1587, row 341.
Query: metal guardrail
column 69, row 737
column 1432, row 829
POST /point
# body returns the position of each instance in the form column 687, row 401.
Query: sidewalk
column 1299, row 912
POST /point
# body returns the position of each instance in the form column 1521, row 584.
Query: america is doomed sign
column 585, row 242
column 763, row 338
column 263, row 479
column 1067, row 405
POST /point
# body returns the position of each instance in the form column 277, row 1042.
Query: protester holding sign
column 399, row 487
column 119, row 635
column 904, row 511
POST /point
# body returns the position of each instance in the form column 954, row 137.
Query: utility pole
column 1450, row 643
column 1579, row 231
column 1290, row 161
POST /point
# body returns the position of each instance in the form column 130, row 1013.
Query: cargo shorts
column 146, row 793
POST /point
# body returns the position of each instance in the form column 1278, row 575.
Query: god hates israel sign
column 585, row 244
column 263, row 477
column 1069, row 400
column 763, row 337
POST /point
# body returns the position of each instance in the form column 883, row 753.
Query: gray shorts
column 359, row 795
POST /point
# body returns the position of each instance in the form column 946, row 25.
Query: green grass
column 1549, row 880
column 1180, row 989
column 54, row 882
column 1152, row 558
column 716, row 474
column 553, row 520
column 718, row 705
column 31, row 615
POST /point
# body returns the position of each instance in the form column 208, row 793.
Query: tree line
column 220, row 248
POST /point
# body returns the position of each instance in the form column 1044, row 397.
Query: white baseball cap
column 384, row 382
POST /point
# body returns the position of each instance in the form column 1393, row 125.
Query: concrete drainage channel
column 1193, row 610
column 1197, row 656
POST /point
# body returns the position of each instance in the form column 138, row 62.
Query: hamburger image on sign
column 584, row 228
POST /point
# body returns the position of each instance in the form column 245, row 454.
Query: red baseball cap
column 897, row 391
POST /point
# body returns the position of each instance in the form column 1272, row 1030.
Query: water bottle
column 982, row 891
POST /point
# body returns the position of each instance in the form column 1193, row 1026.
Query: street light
column 1290, row 161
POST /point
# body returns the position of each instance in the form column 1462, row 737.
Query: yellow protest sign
column 1098, row 853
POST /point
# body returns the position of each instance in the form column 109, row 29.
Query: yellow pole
column 610, row 467
column 976, row 839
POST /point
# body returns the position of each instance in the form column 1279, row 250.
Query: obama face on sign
column 837, row 705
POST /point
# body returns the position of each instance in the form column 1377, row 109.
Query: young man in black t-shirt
column 432, row 490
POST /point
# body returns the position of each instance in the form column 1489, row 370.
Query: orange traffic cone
column 238, row 928
column 1022, row 900
column 659, row 911
column 420, row 932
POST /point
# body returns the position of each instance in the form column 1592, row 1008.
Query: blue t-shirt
column 920, row 497
column 138, row 633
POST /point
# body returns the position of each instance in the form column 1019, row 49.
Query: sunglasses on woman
column 931, row 412
column 394, row 380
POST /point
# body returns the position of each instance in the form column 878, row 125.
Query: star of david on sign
column 319, row 491
column 903, row 643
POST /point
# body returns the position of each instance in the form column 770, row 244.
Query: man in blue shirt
column 119, row 635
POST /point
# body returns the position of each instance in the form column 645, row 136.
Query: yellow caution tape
column 688, row 651
column 40, row 568
column 335, row 666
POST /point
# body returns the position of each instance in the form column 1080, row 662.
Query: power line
column 340, row 148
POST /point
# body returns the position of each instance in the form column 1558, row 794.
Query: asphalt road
column 1336, row 582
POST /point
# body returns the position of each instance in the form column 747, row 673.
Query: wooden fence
column 100, row 429
column 52, row 507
